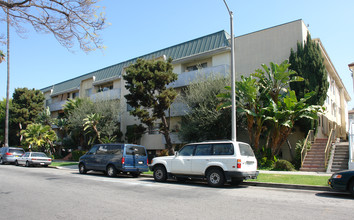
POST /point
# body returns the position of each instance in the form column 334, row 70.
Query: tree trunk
column 166, row 134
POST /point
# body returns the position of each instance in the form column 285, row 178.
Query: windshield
column 16, row 151
column 39, row 155
column 246, row 150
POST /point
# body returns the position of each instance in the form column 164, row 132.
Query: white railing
column 351, row 144
column 106, row 95
column 187, row 78
column 310, row 139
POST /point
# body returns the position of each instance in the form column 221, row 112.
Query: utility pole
column 233, row 77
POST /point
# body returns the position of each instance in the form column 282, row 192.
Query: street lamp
column 351, row 68
column 233, row 77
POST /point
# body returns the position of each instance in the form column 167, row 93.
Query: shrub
column 265, row 163
column 76, row 154
column 283, row 165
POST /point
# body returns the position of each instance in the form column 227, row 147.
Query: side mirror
column 176, row 153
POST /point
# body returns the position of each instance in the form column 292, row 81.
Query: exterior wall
column 86, row 84
column 265, row 46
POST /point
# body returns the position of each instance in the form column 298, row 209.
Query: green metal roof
column 190, row 48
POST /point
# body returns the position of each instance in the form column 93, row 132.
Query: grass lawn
column 60, row 164
column 292, row 179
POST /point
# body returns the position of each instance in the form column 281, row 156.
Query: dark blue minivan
column 115, row 158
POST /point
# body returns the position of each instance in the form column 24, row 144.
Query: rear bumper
column 40, row 163
column 241, row 175
column 134, row 169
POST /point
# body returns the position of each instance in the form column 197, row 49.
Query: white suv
column 217, row 161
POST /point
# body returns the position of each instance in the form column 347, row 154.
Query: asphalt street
column 46, row 193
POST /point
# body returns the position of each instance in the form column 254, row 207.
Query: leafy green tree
column 39, row 136
column 45, row 118
column 270, row 106
column 149, row 96
column 203, row 121
column 80, row 110
column 134, row 133
column 26, row 105
column 308, row 63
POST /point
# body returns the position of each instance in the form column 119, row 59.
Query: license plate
column 250, row 162
column 41, row 163
column 140, row 162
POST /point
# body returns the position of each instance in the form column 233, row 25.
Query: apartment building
column 205, row 55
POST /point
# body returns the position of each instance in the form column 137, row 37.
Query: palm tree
column 91, row 122
column 38, row 135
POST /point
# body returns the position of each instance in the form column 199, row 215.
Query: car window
column 203, row 149
column 246, row 150
column 114, row 149
column 137, row 150
column 93, row 150
column 187, row 150
column 16, row 151
column 39, row 155
column 223, row 149
column 102, row 149
column 26, row 154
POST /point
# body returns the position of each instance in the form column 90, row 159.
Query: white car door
column 201, row 158
column 182, row 162
column 22, row 160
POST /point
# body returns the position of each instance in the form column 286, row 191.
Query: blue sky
column 139, row 27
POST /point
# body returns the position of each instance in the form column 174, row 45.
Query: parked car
column 342, row 181
column 216, row 161
column 115, row 158
column 10, row 154
column 34, row 159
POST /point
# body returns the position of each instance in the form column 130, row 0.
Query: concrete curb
column 275, row 185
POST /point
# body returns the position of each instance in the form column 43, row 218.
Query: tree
column 134, row 133
column 2, row 56
column 45, row 118
column 69, row 21
column 149, row 96
column 37, row 135
column 26, row 105
column 270, row 106
column 203, row 121
column 79, row 111
column 308, row 63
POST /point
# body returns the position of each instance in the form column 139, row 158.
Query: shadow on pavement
column 336, row 195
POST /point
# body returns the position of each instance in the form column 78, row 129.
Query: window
column 102, row 149
column 75, row 94
column 105, row 87
column 88, row 92
column 204, row 149
column 187, row 150
column 136, row 150
column 196, row 67
column 154, row 129
column 114, row 149
column 246, row 150
column 93, row 150
column 223, row 149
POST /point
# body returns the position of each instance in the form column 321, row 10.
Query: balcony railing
column 177, row 109
column 174, row 138
column 56, row 106
column 106, row 95
column 186, row 78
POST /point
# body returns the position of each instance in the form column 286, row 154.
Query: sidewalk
column 271, row 185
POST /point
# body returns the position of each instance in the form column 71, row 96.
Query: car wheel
column 82, row 168
column 215, row 177
column 236, row 181
column 160, row 174
column 16, row 163
column 351, row 187
column 111, row 171
column 135, row 174
column 1, row 161
column 27, row 164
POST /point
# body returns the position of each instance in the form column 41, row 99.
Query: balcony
column 174, row 138
column 177, row 109
column 186, row 78
column 57, row 106
column 106, row 95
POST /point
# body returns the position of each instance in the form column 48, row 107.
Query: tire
column 27, row 164
column 351, row 187
column 236, row 181
column 135, row 174
column 111, row 171
column 160, row 174
column 82, row 168
column 16, row 163
column 215, row 177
